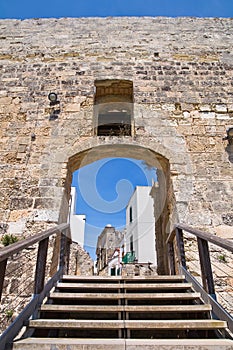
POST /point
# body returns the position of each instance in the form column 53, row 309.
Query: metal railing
column 26, row 276
column 40, row 282
column 200, row 267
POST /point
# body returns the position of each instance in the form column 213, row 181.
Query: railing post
column 171, row 256
column 63, row 250
column 2, row 275
column 41, row 266
column 206, row 270
column 67, row 255
column 65, row 242
column 180, row 243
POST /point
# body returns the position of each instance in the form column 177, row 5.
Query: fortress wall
column 181, row 69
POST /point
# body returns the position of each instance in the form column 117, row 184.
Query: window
column 130, row 214
column 113, row 271
column 131, row 243
column 113, row 107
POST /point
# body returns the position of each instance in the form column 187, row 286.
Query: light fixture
column 52, row 96
column 33, row 137
column 229, row 136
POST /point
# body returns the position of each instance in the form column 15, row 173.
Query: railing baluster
column 180, row 243
column 171, row 255
column 63, row 243
column 206, row 270
column 68, row 243
column 41, row 266
column 2, row 275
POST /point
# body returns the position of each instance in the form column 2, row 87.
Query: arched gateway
column 165, row 211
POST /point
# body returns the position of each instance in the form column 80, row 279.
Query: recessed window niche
column 113, row 107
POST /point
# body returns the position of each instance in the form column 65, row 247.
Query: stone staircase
column 91, row 313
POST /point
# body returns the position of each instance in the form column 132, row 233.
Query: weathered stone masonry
column 181, row 69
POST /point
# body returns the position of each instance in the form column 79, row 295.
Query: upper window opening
column 130, row 214
column 113, row 107
column 131, row 244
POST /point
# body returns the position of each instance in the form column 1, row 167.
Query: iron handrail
column 223, row 243
column 16, row 247
column 40, row 288
column 207, row 289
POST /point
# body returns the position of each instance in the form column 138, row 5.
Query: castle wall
column 181, row 69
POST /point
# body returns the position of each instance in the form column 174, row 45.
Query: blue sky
column 103, row 191
column 22, row 9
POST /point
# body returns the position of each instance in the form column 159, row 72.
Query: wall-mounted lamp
column 229, row 136
column 33, row 137
column 52, row 96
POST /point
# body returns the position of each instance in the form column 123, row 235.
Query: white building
column 114, row 264
column 77, row 222
column 140, row 226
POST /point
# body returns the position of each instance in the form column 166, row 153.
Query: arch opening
column 161, row 192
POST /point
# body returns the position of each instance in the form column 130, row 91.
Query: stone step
column 176, row 324
column 122, row 344
column 106, row 279
column 142, row 324
column 159, row 320
column 76, row 324
column 125, row 285
column 69, row 343
column 111, row 296
column 127, row 308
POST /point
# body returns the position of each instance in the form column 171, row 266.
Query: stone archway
column 162, row 192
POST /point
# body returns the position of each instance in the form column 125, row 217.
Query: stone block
column 224, row 231
column 20, row 156
column 5, row 101
column 46, row 215
column 207, row 115
column 16, row 215
column 228, row 220
column 17, row 227
column 22, row 148
column 230, row 107
column 205, row 108
column 169, row 107
column 45, row 203
column 21, row 203
column 199, row 219
column 221, row 108
column 195, row 114
column 59, row 157
column 72, row 107
column 186, row 114
column 223, row 116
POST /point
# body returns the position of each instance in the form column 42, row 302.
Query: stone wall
column 181, row 69
column 80, row 261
